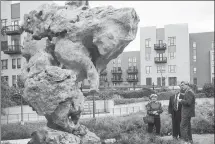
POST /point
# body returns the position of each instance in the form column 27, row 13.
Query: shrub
column 165, row 95
column 200, row 95
column 208, row 89
column 194, row 87
column 129, row 101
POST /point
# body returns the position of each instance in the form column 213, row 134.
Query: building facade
column 202, row 58
column 164, row 55
column 12, row 39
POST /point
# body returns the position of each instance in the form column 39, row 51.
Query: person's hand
column 179, row 100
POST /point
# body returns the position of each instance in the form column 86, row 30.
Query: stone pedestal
column 50, row 136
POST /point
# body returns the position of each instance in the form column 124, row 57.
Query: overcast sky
column 198, row 14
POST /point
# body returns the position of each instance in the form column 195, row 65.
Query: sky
column 199, row 15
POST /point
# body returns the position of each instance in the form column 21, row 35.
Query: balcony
column 116, row 80
column 130, row 71
column 13, row 49
column 132, row 79
column 103, row 79
column 161, row 46
column 116, row 71
column 12, row 30
column 160, row 59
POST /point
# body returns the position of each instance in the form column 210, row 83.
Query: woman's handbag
column 148, row 119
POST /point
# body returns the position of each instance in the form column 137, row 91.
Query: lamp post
column 0, row 69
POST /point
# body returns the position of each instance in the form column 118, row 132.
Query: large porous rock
column 50, row 136
column 65, row 45
column 53, row 85
column 85, row 39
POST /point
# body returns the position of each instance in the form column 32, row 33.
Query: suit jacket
column 171, row 104
column 188, row 104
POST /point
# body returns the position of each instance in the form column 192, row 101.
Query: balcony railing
column 12, row 30
column 116, row 80
column 13, row 49
column 116, row 71
column 161, row 46
column 160, row 59
column 132, row 79
column 132, row 70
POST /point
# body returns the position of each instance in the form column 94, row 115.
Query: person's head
column 153, row 97
column 184, row 86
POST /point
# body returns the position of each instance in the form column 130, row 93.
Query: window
column 19, row 63
column 194, row 55
column 5, row 78
column 159, row 81
column 194, row 70
column 16, row 22
column 171, row 41
column 172, row 81
column 4, row 64
column 14, row 80
column 13, row 63
column 163, row 81
column 172, row 55
column 148, row 81
column 134, row 60
column 148, row 69
column 129, row 60
column 194, row 45
column 212, row 57
column 160, row 69
column 148, row 56
column 195, row 81
column 147, row 43
column 4, row 22
column 172, row 68
column 212, row 69
column 159, row 42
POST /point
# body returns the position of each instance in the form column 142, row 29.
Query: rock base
column 50, row 136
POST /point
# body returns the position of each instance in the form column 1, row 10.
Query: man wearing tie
column 174, row 109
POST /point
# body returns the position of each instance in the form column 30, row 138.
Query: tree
column 5, row 96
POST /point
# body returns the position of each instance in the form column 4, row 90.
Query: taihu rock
column 63, row 46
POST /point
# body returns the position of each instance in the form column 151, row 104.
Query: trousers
column 176, row 120
column 185, row 128
column 157, row 124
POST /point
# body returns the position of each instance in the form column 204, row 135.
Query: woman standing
column 154, row 109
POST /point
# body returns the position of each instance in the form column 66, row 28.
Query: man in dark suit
column 175, row 110
column 187, row 112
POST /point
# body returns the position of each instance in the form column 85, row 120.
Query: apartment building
column 164, row 55
column 202, row 58
column 122, row 71
column 11, row 39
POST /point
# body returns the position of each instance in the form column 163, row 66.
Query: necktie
column 176, row 103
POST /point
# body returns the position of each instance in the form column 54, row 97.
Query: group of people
column 181, row 108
